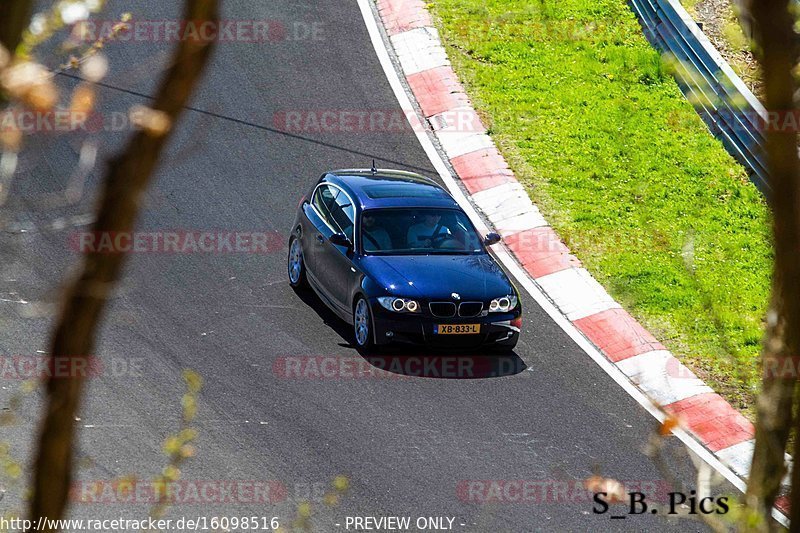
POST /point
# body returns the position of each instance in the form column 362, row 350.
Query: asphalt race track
column 408, row 446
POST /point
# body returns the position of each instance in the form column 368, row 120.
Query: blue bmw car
column 393, row 254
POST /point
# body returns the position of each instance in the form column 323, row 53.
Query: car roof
column 390, row 188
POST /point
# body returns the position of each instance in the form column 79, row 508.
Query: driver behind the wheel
column 425, row 233
column 375, row 237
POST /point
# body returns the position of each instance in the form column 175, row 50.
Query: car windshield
column 418, row 231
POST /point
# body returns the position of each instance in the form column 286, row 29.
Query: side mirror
column 340, row 239
column 492, row 238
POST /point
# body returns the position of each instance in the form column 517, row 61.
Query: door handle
column 320, row 239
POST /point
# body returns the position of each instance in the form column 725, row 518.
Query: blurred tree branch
column 773, row 31
column 125, row 183
column 14, row 18
column 15, row 15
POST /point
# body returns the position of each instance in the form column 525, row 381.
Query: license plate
column 456, row 329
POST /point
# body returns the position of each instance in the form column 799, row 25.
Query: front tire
column 295, row 265
column 363, row 326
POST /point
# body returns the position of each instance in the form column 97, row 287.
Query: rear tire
column 295, row 265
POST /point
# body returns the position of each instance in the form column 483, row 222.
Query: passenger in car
column 375, row 237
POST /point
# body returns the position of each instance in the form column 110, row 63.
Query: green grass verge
column 624, row 169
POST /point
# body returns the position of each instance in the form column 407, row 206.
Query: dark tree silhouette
column 123, row 187
column 775, row 43
column 15, row 15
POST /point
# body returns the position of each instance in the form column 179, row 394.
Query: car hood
column 437, row 277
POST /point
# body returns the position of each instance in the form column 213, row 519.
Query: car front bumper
column 496, row 329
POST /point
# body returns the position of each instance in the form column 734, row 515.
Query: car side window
column 323, row 199
column 336, row 209
column 343, row 213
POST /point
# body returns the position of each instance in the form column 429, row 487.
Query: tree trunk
column 15, row 16
column 123, row 188
column 774, row 34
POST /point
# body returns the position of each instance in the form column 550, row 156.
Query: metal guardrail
column 731, row 111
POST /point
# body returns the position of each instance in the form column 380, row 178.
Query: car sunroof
column 402, row 191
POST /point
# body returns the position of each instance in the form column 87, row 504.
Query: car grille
column 443, row 309
column 470, row 309
column 448, row 309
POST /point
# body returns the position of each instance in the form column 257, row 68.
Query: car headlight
column 399, row 305
column 504, row 304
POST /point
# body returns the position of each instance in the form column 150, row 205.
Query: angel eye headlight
column 399, row 305
column 503, row 304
